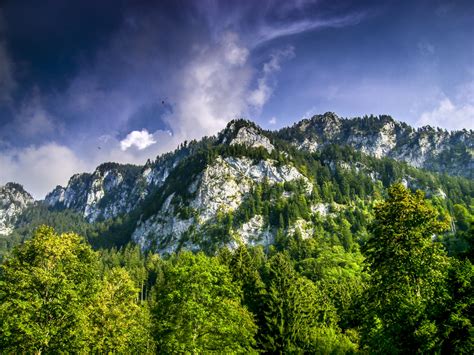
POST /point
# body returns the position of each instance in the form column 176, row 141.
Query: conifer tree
column 408, row 272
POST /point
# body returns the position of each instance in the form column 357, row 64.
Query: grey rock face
column 245, row 133
column 221, row 187
column 13, row 200
column 115, row 189
column 433, row 149
column 251, row 138
column 110, row 190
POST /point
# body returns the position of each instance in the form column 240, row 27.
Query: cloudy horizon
column 124, row 81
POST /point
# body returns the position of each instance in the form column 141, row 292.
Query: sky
column 86, row 82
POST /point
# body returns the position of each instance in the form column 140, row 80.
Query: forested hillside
column 143, row 212
column 399, row 292
column 247, row 242
column 244, row 186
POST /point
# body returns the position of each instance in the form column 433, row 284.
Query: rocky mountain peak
column 114, row 189
column 382, row 136
column 327, row 117
column 245, row 133
column 14, row 187
column 13, row 200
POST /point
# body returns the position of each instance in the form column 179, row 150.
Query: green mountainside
column 304, row 240
column 250, row 186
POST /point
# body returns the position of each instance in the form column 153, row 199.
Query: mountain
column 428, row 148
column 247, row 185
column 114, row 189
column 13, row 201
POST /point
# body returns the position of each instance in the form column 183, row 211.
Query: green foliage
column 407, row 274
column 245, row 268
column 305, row 293
column 46, row 288
column 197, row 308
column 118, row 323
column 461, row 243
column 54, row 300
column 299, row 316
column 34, row 217
column 457, row 313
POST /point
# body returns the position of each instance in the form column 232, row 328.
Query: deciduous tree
column 197, row 308
column 46, row 288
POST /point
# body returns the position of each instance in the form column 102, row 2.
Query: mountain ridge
column 430, row 148
column 233, row 127
column 200, row 196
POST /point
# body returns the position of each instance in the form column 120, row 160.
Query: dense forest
column 404, row 285
column 225, row 177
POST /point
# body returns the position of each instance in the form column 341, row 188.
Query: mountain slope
column 250, row 186
column 13, row 200
column 429, row 148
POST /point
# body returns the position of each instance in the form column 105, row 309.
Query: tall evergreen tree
column 408, row 273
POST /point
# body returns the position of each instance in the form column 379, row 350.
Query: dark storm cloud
column 147, row 60
column 101, row 66
column 51, row 39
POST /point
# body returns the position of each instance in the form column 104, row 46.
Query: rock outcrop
column 13, row 201
column 177, row 200
column 220, row 188
column 428, row 148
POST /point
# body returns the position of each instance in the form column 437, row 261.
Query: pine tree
column 294, row 310
column 407, row 274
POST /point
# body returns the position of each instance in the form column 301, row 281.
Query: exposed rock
column 221, row 187
column 183, row 214
column 111, row 190
column 307, row 145
column 302, row 227
column 254, row 233
column 13, row 201
column 249, row 137
column 426, row 147
column 321, row 208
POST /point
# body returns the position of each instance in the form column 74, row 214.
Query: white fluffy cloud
column 139, row 139
column 452, row 113
column 210, row 86
column 234, row 53
column 449, row 116
column 266, row 82
column 39, row 169
column 211, row 89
